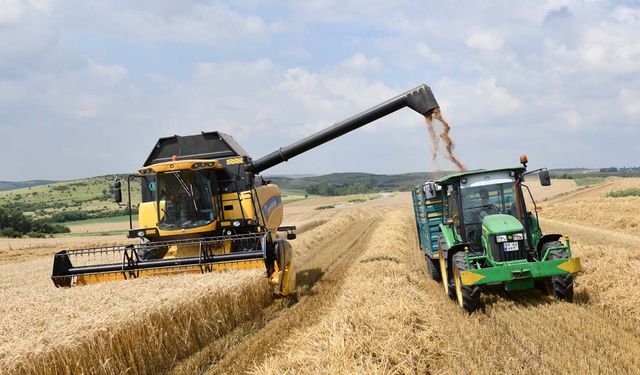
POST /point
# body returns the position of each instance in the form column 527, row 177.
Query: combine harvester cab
column 486, row 236
column 204, row 208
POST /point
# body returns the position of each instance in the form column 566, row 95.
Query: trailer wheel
column 468, row 296
column 562, row 284
column 434, row 268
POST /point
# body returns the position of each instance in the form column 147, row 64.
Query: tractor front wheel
column 468, row 296
column 562, row 284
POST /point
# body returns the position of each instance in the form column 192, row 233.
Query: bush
column 633, row 192
column 15, row 224
column 325, row 188
column 324, row 207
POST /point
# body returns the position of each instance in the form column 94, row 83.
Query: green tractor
column 476, row 231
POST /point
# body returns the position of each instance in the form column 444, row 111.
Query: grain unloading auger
column 204, row 208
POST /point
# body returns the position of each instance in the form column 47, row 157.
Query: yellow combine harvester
column 205, row 208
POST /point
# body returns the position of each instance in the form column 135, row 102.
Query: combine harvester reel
column 147, row 259
column 205, row 208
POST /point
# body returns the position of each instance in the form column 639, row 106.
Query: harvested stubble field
column 365, row 305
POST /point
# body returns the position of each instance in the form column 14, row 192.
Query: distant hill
column 12, row 185
column 92, row 197
column 67, row 200
column 374, row 182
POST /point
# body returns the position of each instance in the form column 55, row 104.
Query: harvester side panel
column 427, row 206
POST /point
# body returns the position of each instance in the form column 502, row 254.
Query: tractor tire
column 433, row 266
column 452, row 289
column 467, row 296
column 562, row 285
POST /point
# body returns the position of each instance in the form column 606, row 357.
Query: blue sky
column 86, row 87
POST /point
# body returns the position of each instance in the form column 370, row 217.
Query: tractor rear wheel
column 434, row 268
column 468, row 296
column 562, row 284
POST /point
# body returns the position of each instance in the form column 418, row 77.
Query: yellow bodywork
column 262, row 204
column 113, row 276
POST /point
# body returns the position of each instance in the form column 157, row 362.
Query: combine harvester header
column 203, row 209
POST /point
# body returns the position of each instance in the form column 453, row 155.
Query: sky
column 87, row 87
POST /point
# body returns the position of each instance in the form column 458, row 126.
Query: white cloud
column 111, row 73
column 173, row 21
column 361, row 63
column 573, row 118
column 469, row 102
column 485, row 40
column 12, row 11
column 425, row 52
column 98, row 77
column 631, row 103
column 614, row 46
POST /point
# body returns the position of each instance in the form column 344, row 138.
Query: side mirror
column 117, row 190
column 291, row 236
column 545, row 179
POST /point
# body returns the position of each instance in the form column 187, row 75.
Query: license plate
column 511, row 246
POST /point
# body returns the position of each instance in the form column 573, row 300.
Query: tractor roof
column 450, row 179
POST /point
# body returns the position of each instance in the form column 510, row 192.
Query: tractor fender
column 546, row 239
column 452, row 251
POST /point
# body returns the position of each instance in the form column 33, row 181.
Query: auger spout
column 420, row 99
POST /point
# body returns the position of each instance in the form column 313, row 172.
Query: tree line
column 15, row 224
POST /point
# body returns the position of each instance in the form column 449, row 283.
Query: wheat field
column 364, row 305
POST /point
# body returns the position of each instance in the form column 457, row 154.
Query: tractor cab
column 483, row 201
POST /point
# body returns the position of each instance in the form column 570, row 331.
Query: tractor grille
column 499, row 255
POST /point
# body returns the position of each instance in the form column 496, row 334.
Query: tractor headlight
column 501, row 238
column 518, row 236
column 141, row 233
column 236, row 223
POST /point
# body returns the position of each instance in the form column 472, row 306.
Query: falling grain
column 432, row 135
column 449, row 145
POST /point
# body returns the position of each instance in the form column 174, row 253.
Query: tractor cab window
column 454, row 213
column 481, row 201
column 185, row 200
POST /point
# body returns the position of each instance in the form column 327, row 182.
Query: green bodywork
column 482, row 268
column 446, row 180
column 501, row 224
column 519, row 274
